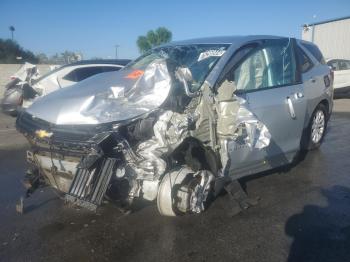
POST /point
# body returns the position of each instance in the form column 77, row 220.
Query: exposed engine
column 148, row 136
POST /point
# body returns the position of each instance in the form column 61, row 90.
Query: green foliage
column 143, row 44
column 10, row 51
column 42, row 58
column 153, row 38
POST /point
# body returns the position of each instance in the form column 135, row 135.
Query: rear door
column 269, row 81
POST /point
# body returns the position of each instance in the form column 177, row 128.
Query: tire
column 316, row 130
column 184, row 191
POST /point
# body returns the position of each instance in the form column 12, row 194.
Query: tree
column 10, row 51
column 12, row 29
column 42, row 58
column 153, row 38
column 70, row 57
column 56, row 59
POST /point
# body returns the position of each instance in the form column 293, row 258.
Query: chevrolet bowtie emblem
column 43, row 133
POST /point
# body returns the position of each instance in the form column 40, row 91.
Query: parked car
column 181, row 121
column 61, row 77
column 341, row 68
column 26, row 75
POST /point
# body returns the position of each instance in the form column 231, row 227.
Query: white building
column 331, row 36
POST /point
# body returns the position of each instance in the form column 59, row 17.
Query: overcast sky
column 95, row 27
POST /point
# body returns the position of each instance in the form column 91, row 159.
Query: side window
column 271, row 64
column 347, row 62
column 71, row 76
column 344, row 65
column 334, row 64
column 305, row 63
column 85, row 72
column 80, row 74
column 110, row 68
column 313, row 49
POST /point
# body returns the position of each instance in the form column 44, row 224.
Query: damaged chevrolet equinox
column 180, row 122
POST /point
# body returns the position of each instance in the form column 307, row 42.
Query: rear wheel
column 317, row 128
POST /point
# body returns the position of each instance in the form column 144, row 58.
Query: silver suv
column 181, row 121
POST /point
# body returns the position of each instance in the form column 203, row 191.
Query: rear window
column 313, row 49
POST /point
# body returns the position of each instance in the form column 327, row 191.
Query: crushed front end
column 84, row 161
column 154, row 130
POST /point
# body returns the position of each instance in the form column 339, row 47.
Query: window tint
column 71, row 76
column 110, row 68
column 305, row 63
column 334, row 64
column 80, row 74
column 313, row 49
column 239, row 55
column 270, row 64
column 344, row 65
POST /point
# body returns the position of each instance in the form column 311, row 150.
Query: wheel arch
column 196, row 155
column 326, row 104
column 304, row 140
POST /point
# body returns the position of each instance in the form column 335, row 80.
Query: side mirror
column 184, row 75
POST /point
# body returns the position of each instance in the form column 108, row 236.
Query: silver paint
column 106, row 97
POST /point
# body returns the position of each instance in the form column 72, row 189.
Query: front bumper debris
column 89, row 185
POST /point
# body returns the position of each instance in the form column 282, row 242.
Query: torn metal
column 18, row 87
column 107, row 97
column 165, row 133
column 26, row 72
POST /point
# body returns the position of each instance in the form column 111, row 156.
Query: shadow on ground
column 321, row 234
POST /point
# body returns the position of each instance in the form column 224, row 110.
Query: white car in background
column 26, row 85
column 341, row 85
column 70, row 74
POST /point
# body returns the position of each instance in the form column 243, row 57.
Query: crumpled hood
column 106, row 97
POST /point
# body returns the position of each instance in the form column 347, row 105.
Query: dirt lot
column 6, row 70
column 303, row 215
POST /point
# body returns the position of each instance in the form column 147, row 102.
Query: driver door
column 268, row 80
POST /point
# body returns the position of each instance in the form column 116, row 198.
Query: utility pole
column 116, row 51
column 12, row 29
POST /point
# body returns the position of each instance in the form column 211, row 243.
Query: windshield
column 199, row 59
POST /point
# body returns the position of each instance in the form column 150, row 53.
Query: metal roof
column 121, row 62
column 329, row 20
column 223, row 39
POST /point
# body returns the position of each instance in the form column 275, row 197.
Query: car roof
column 117, row 62
column 223, row 39
column 121, row 62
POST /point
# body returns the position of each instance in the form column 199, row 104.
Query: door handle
column 313, row 80
column 291, row 107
